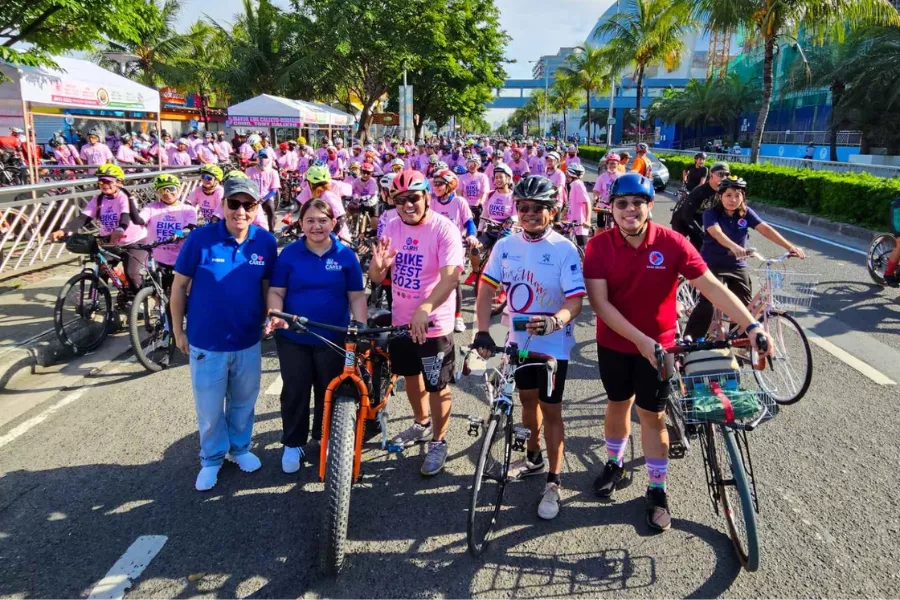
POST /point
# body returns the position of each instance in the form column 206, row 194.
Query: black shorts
column 626, row 375
column 536, row 378
column 476, row 213
column 487, row 240
column 435, row 359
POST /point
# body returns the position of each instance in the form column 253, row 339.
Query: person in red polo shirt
column 631, row 274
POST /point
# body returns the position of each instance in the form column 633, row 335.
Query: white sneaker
column 460, row 325
column 290, row 460
column 207, row 478
column 248, row 462
column 549, row 506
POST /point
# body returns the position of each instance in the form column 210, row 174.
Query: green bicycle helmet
column 164, row 180
column 213, row 170
column 111, row 170
column 235, row 174
column 317, row 175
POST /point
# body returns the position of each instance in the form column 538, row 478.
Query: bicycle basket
column 718, row 398
column 791, row 289
column 81, row 243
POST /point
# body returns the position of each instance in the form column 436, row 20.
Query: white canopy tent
column 75, row 84
column 274, row 111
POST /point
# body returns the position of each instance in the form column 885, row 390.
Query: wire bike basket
column 790, row 289
column 720, row 398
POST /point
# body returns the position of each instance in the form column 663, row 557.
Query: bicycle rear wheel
column 733, row 490
column 489, row 481
column 82, row 312
column 687, row 297
column 876, row 259
column 790, row 374
column 338, row 482
column 153, row 345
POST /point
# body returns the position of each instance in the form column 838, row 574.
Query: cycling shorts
column 626, row 375
column 536, row 378
column 487, row 240
column 435, row 360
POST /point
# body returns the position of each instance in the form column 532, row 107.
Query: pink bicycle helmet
column 612, row 156
column 409, row 181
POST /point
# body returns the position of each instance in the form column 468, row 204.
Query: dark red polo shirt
column 642, row 281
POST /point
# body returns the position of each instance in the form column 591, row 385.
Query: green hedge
column 856, row 198
column 594, row 153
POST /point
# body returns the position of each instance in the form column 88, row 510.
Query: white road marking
column 850, row 360
column 129, row 567
column 33, row 422
column 274, row 388
column 823, row 240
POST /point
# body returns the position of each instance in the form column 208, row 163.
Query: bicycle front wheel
column 788, row 377
column 490, row 481
column 733, row 488
column 876, row 259
column 338, row 481
column 82, row 312
column 153, row 345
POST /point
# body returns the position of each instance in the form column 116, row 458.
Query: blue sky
column 537, row 27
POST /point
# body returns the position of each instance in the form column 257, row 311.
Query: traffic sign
column 611, row 121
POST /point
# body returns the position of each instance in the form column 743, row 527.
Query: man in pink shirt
column 206, row 153
column 222, row 148
column 95, row 152
column 518, row 165
column 557, row 177
column 537, row 164
column 425, row 252
column 181, row 157
column 579, row 203
column 475, row 187
column 65, row 154
column 269, row 182
column 125, row 155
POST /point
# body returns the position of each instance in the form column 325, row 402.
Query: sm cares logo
column 257, row 260
column 656, row 259
column 411, row 245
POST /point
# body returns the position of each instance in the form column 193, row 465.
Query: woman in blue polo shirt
column 726, row 229
column 319, row 278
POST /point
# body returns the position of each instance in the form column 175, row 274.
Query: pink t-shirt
column 125, row 155
column 205, row 203
column 422, row 251
column 362, row 188
column 182, row 159
column 288, row 161
column 246, row 151
column 558, row 179
column 336, row 168
column 223, row 150
column 206, row 155
column 267, row 179
column 456, row 209
column 259, row 219
column 473, row 186
column 499, row 207
column 65, row 155
column 537, row 165
column 519, row 169
column 572, row 160
column 384, row 219
column 163, row 220
column 579, row 207
column 108, row 219
column 601, row 187
column 96, row 154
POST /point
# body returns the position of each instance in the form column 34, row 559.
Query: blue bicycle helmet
column 632, row 184
column 459, row 170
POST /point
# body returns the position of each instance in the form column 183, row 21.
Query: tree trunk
column 417, row 127
column 768, row 63
column 640, row 88
column 565, row 134
column 365, row 118
column 588, row 115
column 837, row 92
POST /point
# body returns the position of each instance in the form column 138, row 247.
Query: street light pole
column 610, row 119
column 546, row 91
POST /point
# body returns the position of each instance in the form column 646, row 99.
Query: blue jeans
column 226, row 386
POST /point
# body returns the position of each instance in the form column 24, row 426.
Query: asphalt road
column 118, row 462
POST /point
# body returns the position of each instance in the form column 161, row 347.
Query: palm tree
column 200, row 64
column 563, row 96
column 765, row 22
column 646, row 34
column 159, row 42
column 734, row 97
column 589, row 67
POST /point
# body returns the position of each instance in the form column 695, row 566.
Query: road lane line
column 819, row 238
column 850, row 360
column 129, row 567
column 33, row 422
column 274, row 388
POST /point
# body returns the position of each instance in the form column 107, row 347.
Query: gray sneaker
column 413, row 434
column 435, row 459
column 524, row 468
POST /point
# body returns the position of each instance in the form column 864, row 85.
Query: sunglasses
column 524, row 209
column 407, row 199
column 365, row 172
column 624, row 204
column 207, row 177
column 107, row 180
column 234, row 204
column 169, row 189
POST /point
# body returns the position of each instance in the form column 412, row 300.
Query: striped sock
column 615, row 450
column 658, row 468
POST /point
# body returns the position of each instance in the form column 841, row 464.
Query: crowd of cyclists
column 429, row 205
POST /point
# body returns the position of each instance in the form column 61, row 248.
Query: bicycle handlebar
column 299, row 323
column 762, row 343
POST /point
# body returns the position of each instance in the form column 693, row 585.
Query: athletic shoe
column 460, row 325
column 248, row 462
column 892, row 280
column 310, row 451
column 207, row 478
column 435, row 459
column 658, row 516
column 413, row 434
column 609, row 480
column 524, row 467
column 290, row 460
column 471, row 279
column 549, row 506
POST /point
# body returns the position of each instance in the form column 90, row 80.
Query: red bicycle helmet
column 449, row 177
column 409, row 181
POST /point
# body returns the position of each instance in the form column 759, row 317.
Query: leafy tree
column 42, row 28
column 765, row 22
column 648, row 33
column 564, row 95
column 590, row 68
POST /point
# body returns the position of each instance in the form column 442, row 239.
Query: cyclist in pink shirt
column 572, row 155
column 166, row 217
column 222, row 148
column 557, row 177
column 95, row 152
column 269, row 182
column 579, row 203
column 518, row 165
column 606, row 179
column 496, row 159
column 424, row 250
column 208, row 196
column 206, row 153
column 181, row 157
column 536, row 164
column 320, row 185
column 475, row 187
column 65, row 154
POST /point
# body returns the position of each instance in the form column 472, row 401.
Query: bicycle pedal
column 394, row 448
column 475, row 424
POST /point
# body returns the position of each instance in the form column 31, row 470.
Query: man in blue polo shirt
column 228, row 266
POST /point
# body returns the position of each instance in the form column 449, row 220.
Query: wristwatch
column 752, row 326
column 557, row 323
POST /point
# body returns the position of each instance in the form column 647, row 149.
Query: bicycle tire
column 480, row 520
column 153, row 323
column 338, row 483
column 734, row 494
column 83, row 337
column 779, row 374
column 876, row 258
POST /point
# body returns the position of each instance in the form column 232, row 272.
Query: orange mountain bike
column 348, row 405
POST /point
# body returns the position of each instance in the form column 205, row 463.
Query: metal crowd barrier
column 29, row 213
